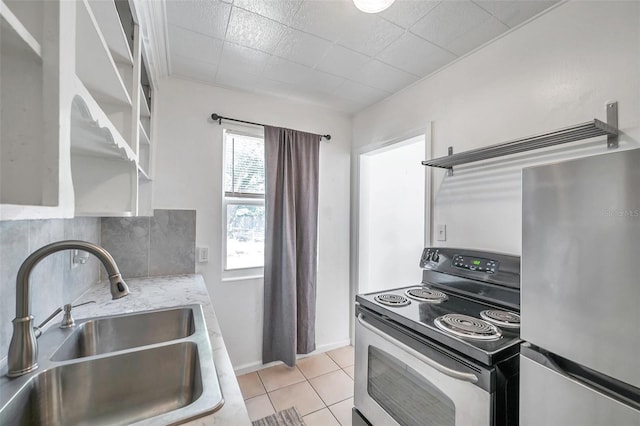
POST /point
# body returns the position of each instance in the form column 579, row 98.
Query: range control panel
column 491, row 267
column 475, row 263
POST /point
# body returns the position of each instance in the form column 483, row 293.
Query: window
column 244, row 183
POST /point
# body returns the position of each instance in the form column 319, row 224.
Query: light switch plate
column 442, row 233
column 203, row 254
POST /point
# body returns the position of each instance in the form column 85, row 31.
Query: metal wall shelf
column 574, row 133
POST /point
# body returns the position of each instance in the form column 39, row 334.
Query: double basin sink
column 153, row 368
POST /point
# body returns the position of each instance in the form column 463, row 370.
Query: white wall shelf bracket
column 612, row 120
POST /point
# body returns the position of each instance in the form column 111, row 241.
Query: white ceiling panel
column 342, row 62
column 191, row 45
column 208, row 17
column 298, row 75
column 308, row 94
column 314, row 97
column 254, row 31
column 488, row 30
column 354, row 91
column 382, row 76
column 278, row 10
column 359, row 37
column 449, row 20
column 278, row 88
column 326, row 19
column 303, row 48
column 326, row 52
column 243, row 58
column 414, row 55
column 237, row 79
column 193, row 69
column 513, row 13
column 405, row 13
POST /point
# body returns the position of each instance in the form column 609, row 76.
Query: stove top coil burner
column 468, row 327
column 392, row 299
column 426, row 295
column 501, row 318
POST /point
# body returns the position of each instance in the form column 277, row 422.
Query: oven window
column 405, row 394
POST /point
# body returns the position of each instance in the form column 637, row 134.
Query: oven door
column 397, row 385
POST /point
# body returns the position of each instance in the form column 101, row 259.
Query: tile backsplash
column 53, row 282
column 141, row 246
column 164, row 244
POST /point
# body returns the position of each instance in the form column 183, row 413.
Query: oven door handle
column 459, row 375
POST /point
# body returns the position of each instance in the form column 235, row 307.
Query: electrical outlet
column 78, row 258
column 72, row 259
column 442, row 233
column 203, row 254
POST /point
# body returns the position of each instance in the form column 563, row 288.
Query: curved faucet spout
column 23, row 350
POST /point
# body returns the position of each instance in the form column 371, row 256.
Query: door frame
column 356, row 155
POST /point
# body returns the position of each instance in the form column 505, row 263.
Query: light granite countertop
column 163, row 292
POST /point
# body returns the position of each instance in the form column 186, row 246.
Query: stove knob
column 435, row 257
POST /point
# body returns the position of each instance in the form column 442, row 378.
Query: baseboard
column 257, row 365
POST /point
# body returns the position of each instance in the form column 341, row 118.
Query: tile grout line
column 271, row 402
column 308, row 381
column 261, row 382
column 266, row 392
column 326, row 407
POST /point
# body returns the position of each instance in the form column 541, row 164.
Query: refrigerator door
column 571, row 403
column 580, row 292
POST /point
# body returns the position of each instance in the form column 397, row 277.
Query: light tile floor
column 319, row 386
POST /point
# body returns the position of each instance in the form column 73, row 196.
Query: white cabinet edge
column 26, row 212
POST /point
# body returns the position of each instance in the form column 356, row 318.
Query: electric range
column 462, row 321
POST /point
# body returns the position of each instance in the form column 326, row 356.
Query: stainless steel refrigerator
column 580, row 292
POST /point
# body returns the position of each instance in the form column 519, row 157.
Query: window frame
column 238, row 198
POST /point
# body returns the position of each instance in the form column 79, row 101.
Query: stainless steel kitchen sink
column 152, row 368
column 115, row 390
column 100, row 336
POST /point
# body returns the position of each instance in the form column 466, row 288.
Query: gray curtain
column 291, row 200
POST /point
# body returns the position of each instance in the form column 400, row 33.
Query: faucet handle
column 67, row 319
column 38, row 330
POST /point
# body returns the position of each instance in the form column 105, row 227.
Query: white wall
column 556, row 71
column 392, row 188
column 188, row 175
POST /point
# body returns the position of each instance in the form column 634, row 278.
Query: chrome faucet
column 23, row 349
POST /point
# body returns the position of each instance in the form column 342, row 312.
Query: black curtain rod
column 219, row 118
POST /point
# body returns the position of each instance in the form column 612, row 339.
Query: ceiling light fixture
column 372, row 6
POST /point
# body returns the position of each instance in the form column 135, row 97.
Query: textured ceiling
column 327, row 52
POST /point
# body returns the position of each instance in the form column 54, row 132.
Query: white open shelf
column 144, row 137
column 11, row 23
column 142, row 174
column 103, row 166
column 109, row 23
column 104, row 186
column 145, row 123
column 75, row 123
column 94, row 64
column 144, row 151
column 144, row 106
column 144, row 161
column 97, row 135
column 23, row 163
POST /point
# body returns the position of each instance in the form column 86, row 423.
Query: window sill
column 242, row 278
